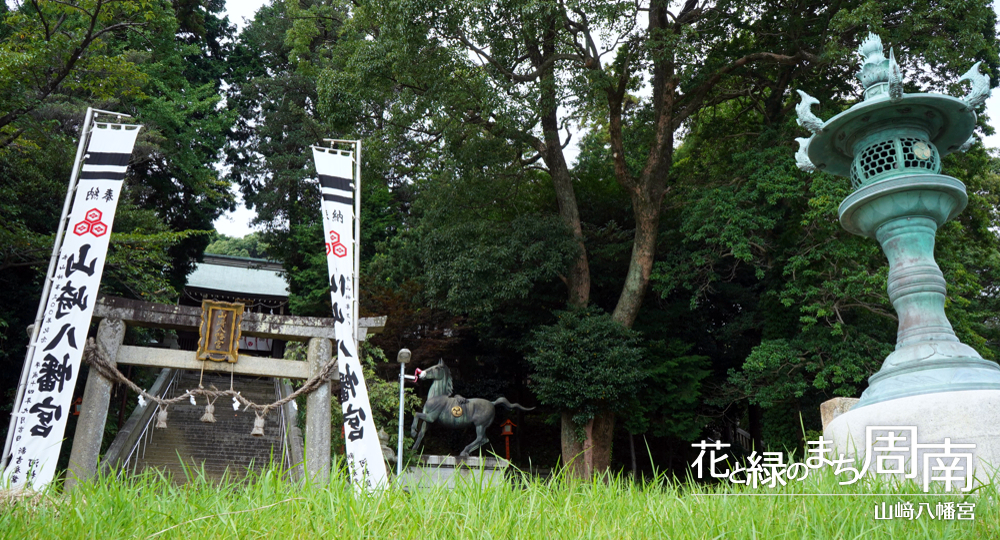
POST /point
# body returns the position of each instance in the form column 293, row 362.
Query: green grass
column 150, row 506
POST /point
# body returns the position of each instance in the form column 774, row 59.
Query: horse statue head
column 441, row 376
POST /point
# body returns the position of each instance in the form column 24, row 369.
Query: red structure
column 507, row 429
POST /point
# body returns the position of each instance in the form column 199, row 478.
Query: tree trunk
column 601, row 435
column 646, row 190
column 631, row 449
column 578, row 278
column 583, row 459
column 646, row 207
column 756, row 415
column 573, row 450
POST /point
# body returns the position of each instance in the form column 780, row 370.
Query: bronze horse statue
column 455, row 412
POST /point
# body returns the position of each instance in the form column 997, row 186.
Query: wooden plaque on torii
column 219, row 331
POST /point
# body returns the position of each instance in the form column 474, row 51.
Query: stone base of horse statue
column 447, row 471
column 455, row 412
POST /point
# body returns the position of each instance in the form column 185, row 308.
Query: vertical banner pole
column 357, row 238
column 399, row 440
column 47, row 286
column 339, row 174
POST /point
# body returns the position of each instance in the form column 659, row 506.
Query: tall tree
column 273, row 90
column 451, row 73
column 506, row 109
column 51, row 49
column 803, row 306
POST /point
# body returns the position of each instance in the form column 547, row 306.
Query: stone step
column 220, row 448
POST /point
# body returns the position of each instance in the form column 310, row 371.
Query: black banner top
column 335, row 182
column 106, row 158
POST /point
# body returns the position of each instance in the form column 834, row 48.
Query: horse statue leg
column 413, row 427
column 480, row 440
column 423, row 430
column 482, row 416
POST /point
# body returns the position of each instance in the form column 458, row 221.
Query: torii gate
column 115, row 313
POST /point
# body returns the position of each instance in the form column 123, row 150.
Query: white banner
column 335, row 169
column 41, row 416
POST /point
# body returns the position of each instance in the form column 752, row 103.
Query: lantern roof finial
column 875, row 67
column 871, row 49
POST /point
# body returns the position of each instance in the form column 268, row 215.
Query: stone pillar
column 835, row 407
column 293, row 435
column 94, row 410
column 318, row 414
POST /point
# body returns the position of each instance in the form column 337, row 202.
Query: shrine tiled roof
column 239, row 275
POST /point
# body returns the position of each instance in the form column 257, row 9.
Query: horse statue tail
column 509, row 405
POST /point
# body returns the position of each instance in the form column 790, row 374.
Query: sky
column 237, row 223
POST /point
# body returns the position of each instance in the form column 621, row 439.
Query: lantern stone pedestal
column 447, row 471
column 963, row 417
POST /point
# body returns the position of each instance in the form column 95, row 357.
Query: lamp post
column 402, row 357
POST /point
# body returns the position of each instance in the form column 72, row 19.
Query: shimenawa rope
column 97, row 360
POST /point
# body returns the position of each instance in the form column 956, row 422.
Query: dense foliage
column 586, row 363
column 250, row 246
